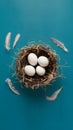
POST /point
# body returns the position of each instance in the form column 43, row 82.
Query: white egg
column 29, row 70
column 43, row 61
column 32, row 59
column 40, row 70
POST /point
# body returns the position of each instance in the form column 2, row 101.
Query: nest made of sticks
column 36, row 81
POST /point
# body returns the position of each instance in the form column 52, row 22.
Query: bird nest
column 36, row 81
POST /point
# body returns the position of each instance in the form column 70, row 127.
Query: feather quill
column 16, row 40
column 59, row 43
column 54, row 95
column 7, row 41
column 13, row 89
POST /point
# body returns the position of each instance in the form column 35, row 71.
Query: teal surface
column 36, row 20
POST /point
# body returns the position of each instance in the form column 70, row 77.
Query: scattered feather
column 59, row 43
column 13, row 89
column 54, row 95
column 7, row 41
column 16, row 40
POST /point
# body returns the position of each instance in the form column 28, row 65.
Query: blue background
column 36, row 20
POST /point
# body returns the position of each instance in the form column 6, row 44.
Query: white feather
column 16, row 40
column 59, row 44
column 7, row 41
column 13, row 89
column 54, row 95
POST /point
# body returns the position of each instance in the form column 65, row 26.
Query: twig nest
column 36, row 66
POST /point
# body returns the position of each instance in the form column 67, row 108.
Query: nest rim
column 37, row 81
